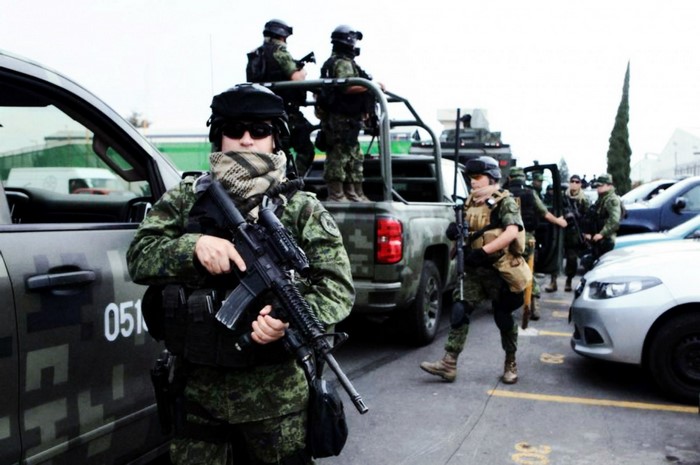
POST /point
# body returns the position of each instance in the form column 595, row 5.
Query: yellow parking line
column 596, row 402
column 554, row 301
column 554, row 333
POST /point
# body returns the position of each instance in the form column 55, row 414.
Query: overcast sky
column 549, row 73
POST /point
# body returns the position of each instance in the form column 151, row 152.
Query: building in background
column 680, row 157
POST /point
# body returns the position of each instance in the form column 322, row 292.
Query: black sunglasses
column 258, row 130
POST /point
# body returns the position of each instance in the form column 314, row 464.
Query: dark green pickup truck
column 399, row 254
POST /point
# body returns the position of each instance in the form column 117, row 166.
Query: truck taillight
column 389, row 241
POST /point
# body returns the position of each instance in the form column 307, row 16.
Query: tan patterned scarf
column 480, row 196
column 248, row 175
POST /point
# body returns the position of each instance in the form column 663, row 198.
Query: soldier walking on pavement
column 531, row 209
column 575, row 206
column 603, row 218
column 272, row 62
column 342, row 111
column 495, row 226
column 244, row 405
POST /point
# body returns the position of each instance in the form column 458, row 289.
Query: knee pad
column 460, row 313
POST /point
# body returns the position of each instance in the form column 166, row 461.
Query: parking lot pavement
column 564, row 409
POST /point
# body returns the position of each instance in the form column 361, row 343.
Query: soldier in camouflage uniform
column 342, row 112
column 575, row 205
column 494, row 221
column 280, row 66
column 258, row 395
column 603, row 218
column 531, row 209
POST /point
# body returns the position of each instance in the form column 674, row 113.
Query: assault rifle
column 271, row 256
column 308, row 58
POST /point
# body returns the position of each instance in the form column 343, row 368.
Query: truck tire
column 423, row 317
column 674, row 358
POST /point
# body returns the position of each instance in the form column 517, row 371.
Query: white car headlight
column 616, row 287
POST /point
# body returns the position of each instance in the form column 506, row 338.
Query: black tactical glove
column 452, row 231
column 476, row 258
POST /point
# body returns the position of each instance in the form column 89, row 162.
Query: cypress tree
column 619, row 151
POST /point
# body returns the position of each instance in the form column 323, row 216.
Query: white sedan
column 641, row 305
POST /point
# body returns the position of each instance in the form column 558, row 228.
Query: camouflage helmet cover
column 517, row 172
column 277, row 27
column 484, row 165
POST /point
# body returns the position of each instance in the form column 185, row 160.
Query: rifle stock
column 271, row 254
column 527, row 308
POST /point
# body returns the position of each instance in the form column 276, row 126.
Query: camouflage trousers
column 268, row 441
column 482, row 284
column 344, row 161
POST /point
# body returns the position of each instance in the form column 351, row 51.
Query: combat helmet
column 277, row 27
column 484, row 165
column 247, row 102
column 345, row 38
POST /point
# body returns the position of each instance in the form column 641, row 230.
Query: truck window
column 47, row 156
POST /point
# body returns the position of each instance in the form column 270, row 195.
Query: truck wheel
column 424, row 315
column 674, row 358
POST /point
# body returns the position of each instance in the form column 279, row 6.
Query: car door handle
column 51, row 280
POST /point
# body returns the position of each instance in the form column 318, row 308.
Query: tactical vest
column 190, row 325
column 526, row 199
column 334, row 100
column 273, row 73
column 485, row 225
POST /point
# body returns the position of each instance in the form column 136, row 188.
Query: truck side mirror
column 679, row 204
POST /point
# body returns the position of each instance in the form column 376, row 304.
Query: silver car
column 641, row 305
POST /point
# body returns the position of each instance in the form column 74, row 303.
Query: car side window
column 693, row 198
column 55, row 168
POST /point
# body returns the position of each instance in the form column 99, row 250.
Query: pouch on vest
column 174, row 302
column 201, row 337
column 515, row 271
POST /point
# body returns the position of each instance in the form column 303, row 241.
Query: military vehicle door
column 549, row 237
column 74, row 351
column 9, row 423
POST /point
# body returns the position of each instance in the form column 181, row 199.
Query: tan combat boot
column 335, row 192
column 350, row 194
column 552, row 285
column 510, row 369
column 567, row 287
column 361, row 193
column 445, row 368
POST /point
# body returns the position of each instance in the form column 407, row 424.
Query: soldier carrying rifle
column 575, row 206
column 602, row 220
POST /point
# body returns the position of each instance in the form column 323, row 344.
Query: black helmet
column 345, row 35
column 277, row 27
column 484, row 165
column 247, row 102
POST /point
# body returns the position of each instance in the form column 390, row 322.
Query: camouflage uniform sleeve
column 343, row 69
column 539, row 205
column 284, row 60
column 510, row 213
column 329, row 289
column 612, row 223
column 162, row 251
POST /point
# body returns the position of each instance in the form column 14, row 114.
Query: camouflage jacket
column 607, row 211
column 163, row 252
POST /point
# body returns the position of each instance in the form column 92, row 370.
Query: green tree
column 563, row 170
column 619, row 151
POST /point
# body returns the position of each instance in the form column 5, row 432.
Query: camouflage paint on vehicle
column 76, row 385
